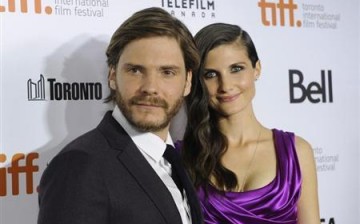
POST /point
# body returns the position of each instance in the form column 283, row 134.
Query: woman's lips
column 226, row 99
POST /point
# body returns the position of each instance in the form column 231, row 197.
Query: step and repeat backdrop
column 53, row 83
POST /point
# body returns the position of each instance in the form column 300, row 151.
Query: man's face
column 150, row 81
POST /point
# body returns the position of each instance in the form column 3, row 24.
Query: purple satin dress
column 274, row 203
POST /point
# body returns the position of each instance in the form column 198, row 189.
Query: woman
column 243, row 171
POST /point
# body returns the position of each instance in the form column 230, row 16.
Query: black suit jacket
column 102, row 177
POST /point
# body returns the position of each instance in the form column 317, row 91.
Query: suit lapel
column 130, row 156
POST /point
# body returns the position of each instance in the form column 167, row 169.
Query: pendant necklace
column 251, row 162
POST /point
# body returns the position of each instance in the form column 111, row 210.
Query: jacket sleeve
column 72, row 191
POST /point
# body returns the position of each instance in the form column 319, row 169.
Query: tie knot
column 170, row 154
column 169, row 147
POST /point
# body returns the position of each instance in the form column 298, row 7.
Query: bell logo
column 12, row 6
column 315, row 92
column 274, row 11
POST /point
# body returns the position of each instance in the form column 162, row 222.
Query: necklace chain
column 250, row 163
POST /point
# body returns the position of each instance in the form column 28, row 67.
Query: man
column 116, row 173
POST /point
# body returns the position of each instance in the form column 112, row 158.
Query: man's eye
column 168, row 72
column 134, row 70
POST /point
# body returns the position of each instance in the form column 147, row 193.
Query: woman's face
column 229, row 77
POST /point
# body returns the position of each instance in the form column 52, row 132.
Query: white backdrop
column 50, row 45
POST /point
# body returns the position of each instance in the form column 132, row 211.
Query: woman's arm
column 308, row 206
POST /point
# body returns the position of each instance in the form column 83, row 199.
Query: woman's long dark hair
column 204, row 144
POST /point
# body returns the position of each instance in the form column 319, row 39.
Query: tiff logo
column 13, row 4
column 15, row 169
column 36, row 91
column 272, row 11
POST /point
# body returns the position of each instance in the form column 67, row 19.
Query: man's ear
column 112, row 78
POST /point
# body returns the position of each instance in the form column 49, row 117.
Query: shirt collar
column 147, row 142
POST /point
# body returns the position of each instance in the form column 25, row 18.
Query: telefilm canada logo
column 62, row 90
column 190, row 8
column 288, row 13
column 78, row 8
column 315, row 91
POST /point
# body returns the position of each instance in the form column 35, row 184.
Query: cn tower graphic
column 36, row 91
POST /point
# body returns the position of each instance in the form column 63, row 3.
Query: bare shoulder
column 308, row 205
column 302, row 146
column 304, row 152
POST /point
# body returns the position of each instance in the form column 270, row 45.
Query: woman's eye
column 236, row 69
column 210, row 74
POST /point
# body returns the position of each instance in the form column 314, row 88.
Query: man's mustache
column 149, row 100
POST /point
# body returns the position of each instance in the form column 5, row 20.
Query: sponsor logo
column 190, row 8
column 315, row 92
column 36, row 90
column 271, row 11
column 15, row 171
column 36, row 6
column 63, row 90
column 79, row 8
column 287, row 13
column 317, row 16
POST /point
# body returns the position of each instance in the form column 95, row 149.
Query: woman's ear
column 257, row 70
column 188, row 83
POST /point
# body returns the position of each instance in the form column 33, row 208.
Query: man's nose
column 150, row 83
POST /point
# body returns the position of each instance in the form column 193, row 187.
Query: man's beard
column 149, row 126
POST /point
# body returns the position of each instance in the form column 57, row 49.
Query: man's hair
column 151, row 22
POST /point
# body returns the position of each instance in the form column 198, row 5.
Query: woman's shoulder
column 301, row 143
column 277, row 131
column 304, row 151
column 302, row 146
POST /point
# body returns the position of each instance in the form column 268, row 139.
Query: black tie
column 182, row 181
column 178, row 172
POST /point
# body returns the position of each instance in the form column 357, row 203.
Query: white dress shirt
column 153, row 147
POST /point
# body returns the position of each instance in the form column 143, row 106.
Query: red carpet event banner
column 53, row 81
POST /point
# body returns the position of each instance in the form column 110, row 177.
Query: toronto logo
column 36, row 90
column 63, row 90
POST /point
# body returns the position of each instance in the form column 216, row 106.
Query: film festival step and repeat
column 53, row 84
